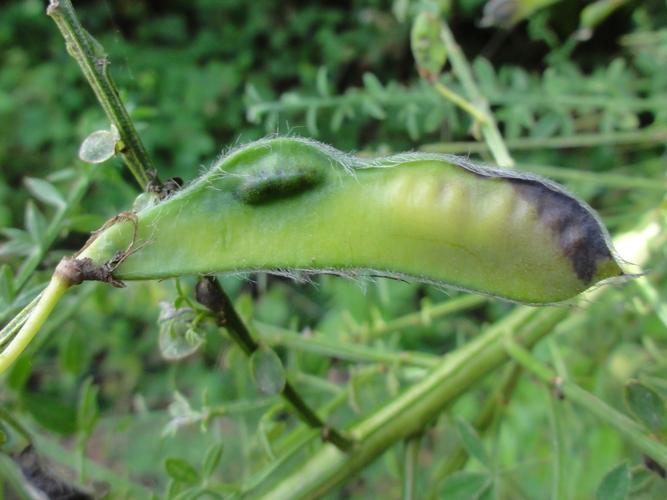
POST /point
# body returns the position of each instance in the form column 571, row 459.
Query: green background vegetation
column 203, row 75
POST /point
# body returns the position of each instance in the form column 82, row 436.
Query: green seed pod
column 293, row 204
column 428, row 49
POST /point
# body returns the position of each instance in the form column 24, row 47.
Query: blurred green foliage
column 200, row 76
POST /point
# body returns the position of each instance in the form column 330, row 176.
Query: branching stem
column 464, row 74
column 210, row 294
column 47, row 301
column 459, row 101
column 623, row 424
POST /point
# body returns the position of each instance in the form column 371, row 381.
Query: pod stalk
column 54, row 291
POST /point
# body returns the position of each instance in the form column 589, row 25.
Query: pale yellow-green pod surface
column 290, row 204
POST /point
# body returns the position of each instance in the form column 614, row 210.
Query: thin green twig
column 94, row 64
column 643, row 136
column 597, row 178
column 463, row 73
column 411, row 467
column 325, row 346
column 559, row 476
column 424, row 316
column 36, row 318
column 626, row 426
column 459, row 101
column 16, row 323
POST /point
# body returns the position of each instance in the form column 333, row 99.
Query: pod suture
column 290, row 203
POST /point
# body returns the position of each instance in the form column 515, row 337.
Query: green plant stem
column 425, row 316
column 397, row 97
column 581, row 101
column 41, row 311
column 94, row 64
column 411, row 466
column 321, row 344
column 459, row 101
column 559, row 476
column 643, row 136
column 211, row 295
column 16, row 323
column 626, row 426
column 652, row 296
column 463, row 72
column 596, row 178
column 239, row 407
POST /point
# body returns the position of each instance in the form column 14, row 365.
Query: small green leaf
column 87, row 411
column 212, row 459
column 337, row 119
column 646, row 405
column 373, row 85
column 71, row 353
column 45, row 192
column 19, row 242
column 374, row 109
column 99, row 146
column 595, row 13
column 181, row 471
column 50, row 411
column 267, row 371
column 177, row 338
column 486, row 76
column 465, row 486
column 409, row 115
column 472, row 443
column 311, row 120
column 245, row 307
column 615, row 485
column 7, row 291
column 19, row 373
column 35, row 222
column 323, row 82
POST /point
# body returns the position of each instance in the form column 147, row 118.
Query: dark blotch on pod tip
column 265, row 187
column 579, row 234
